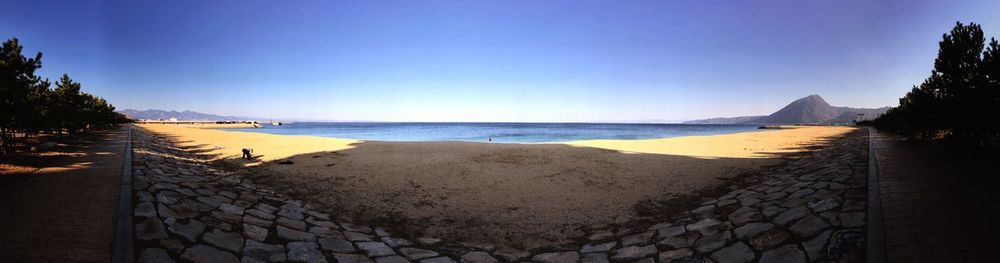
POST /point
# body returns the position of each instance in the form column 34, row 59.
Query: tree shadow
column 69, row 154
column 937, row 183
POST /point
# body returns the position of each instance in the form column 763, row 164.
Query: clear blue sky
column 489, row 60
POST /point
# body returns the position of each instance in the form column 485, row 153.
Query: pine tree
column 17, row 77
column 67, row 104
column 964, row 86
column 28, row 105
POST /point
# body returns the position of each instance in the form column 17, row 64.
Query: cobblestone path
column 810, row 210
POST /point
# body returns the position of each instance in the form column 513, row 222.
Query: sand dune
column 526, row 194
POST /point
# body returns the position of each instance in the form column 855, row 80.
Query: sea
column 497, row 132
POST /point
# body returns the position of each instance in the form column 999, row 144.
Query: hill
column 180, row 115
column 811, row 109
column 731, row 120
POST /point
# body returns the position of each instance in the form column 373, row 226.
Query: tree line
column 961, row 97
column 29, row 105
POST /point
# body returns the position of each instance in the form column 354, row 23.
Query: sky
column 520, row 61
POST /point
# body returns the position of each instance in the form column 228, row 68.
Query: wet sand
column 524, row 195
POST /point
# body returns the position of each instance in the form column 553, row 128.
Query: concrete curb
column 875, row 232
column 122, row 250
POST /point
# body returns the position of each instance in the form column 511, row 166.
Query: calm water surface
column 501, row 132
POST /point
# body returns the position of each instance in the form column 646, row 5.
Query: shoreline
column 517, row 133
column 224, row 145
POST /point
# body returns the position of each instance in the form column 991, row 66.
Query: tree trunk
column 3, row 140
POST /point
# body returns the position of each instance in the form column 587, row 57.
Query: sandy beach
column 227, row 145
column 509, row 194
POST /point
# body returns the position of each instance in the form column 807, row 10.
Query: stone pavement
column 933, row 211
column 65, row 211
column 809, row 210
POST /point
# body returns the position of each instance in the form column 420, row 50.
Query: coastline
column 513, row 194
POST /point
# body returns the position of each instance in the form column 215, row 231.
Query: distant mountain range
column 809, row 110
column 152, row 114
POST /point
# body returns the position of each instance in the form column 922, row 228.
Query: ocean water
column 500, row 132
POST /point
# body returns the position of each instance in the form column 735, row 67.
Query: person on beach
column 246, row 153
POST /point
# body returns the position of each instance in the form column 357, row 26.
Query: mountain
column 153, row 114
column 848, row 115
column 811, row 109
column 732, row 120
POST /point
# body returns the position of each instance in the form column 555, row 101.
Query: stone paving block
column 598, row 247
column 375, row 249
column 814, row 247
column 669, row 232
column 769, row 239
column 601, row 235
column 438, row 260
column 477, row 257
column 594, row 258
column 352, row 258
column 672, row 255
column 751, row 229
column 336, row 245
column 204, row 253
column 790, row 215
column 736, row 253
column 556, row 257
column 189, row 231
column 391, row 259
column 679, row 241
column 255, row 232
column 145, row 209
column 264, row 251
column 292, row 223
column 150, row 229
column 633, row 253
column 511, row 255
column 355, row 236
column 305, row 252
column 291, row 234
column 711, row 243
column 396, row 242
column 173, row 245
column 417, row 253
column 355, row 228
column 226, row 240
column 783, row 254
column 809, row 226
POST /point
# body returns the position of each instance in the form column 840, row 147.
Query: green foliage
column 28, row 105
column 963, row 87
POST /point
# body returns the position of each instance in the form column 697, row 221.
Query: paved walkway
column 933, row 211
column 65, row 212
column 189, row 211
